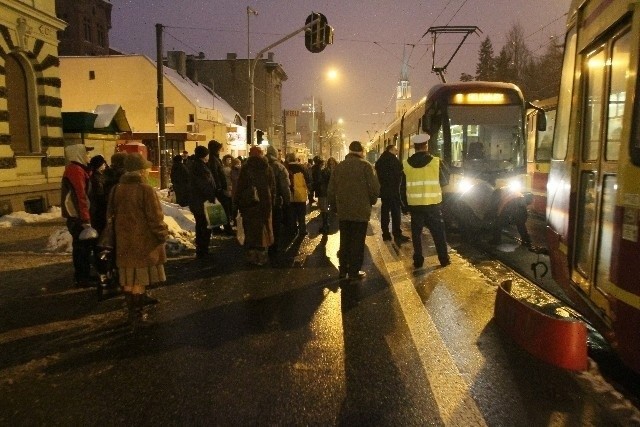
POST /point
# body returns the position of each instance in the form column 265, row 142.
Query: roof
column 203, row 96
column 106, row 118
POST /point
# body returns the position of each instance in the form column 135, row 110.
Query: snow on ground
column 18, row 218
column 179, row 220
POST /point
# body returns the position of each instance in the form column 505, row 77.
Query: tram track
column 510, row 259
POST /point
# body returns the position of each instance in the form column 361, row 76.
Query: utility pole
column 162, row 142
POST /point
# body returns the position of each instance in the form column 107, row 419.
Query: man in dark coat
column 353, row 190
column 389, row 171
column 180, row 181
column 202, row 188
column 217, row 170
column 281, row 201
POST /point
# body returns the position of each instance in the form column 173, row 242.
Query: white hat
column 422, row 138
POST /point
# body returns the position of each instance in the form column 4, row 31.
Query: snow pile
column 181, row 227
column 179, row 220
column 21, row 217
column 60, row 241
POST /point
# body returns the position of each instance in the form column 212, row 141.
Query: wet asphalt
column 235, row 344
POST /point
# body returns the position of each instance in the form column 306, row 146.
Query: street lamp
column 250, row 127
column 331, row 75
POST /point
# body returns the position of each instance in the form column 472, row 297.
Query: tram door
column 605, row 69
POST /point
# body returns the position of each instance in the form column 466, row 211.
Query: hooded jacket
column 76, row 185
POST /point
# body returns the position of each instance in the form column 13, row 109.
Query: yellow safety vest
column 423, row 184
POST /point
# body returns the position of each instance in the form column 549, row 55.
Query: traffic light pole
column 252, row 70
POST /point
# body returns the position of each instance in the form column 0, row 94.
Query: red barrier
column 558, row 341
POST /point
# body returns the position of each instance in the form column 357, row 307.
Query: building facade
column 193, row 113
column 31, row 141
column 230, row 77
column 87, row 32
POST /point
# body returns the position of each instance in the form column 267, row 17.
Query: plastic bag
column 239, row 229
column 215, row 214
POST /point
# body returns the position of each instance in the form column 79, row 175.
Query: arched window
column 20, row 102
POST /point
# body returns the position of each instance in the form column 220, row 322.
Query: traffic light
column 259, row 135
column 319, row 35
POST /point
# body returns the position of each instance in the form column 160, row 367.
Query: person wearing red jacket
column 76, row 187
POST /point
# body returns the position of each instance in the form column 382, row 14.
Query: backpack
column 299, row 191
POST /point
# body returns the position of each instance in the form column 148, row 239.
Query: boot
column 325, row 224
column 139, row 316
column 131, row 307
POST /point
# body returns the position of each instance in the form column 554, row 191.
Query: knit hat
column 117, row 160
column 255, row 151
column 201, row 152
column 96, row 162
column 356, row 147
column 135, row 162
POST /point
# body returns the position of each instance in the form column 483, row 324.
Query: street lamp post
column 250, row 127
column 331, row 75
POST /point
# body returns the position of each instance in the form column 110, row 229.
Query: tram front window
column 486, row 138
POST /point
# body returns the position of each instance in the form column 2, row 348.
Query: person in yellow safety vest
column 423, row 177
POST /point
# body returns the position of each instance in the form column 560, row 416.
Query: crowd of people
column 265, row 199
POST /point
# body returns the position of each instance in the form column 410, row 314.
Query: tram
column 593, row 205
column 539, row 153
column 478, row 130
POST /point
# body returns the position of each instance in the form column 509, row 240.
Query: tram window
column 564, row 99
column 586, row 223
column 605, row 240
column 635, row 131
column 594, row 77
column 544, row 139
column 617, row 94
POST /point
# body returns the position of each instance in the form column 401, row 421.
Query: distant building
column 230, row 77
column 89, row 22
column 31, row 142
column 403, row 91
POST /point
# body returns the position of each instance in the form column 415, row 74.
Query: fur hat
column 201, row 152
column 255, row 151
column 356, row 147
column 214, row 146
column 272, row 152
column 135, row 162
column 291, row 158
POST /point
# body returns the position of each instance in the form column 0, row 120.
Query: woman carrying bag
column 140, row 234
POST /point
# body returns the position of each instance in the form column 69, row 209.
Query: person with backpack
column 300, row 183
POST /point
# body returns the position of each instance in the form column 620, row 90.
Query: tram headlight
column 515, row 185
column 464, row 185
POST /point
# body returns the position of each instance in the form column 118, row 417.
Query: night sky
column 368, row 47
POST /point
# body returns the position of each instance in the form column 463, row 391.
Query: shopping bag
column 215, row 214
column 239, row 229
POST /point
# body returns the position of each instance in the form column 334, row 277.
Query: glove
column 88, row 232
